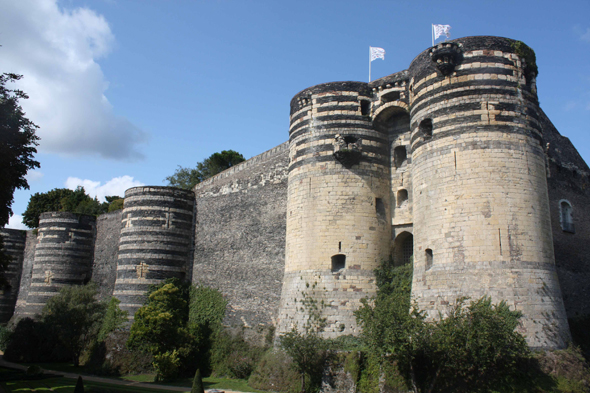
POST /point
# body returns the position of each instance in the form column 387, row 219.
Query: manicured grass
column 57, row 384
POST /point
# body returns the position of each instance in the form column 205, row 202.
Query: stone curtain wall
column 568, row 180
column 104, row 267
column 240, row 236
column 27, row 272
column 481, row 210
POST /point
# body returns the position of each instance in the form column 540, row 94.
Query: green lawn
column 67, row 385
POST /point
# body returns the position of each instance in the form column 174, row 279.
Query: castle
column 450, row 165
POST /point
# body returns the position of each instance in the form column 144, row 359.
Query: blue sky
column 126, row 90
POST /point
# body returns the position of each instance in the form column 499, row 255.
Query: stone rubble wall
column 106, row 248
column 240, row 236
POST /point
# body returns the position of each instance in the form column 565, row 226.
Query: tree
column 113, row 319
column 473, row 349
column 160, row 328
column 76, row 316
column 66, row 200
column 187, row 178
column 18, row 143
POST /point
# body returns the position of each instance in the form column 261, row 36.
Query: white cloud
column 115, row 186
column 56, row 50
column 586, row 36
column 16, row 222
column 33, row 176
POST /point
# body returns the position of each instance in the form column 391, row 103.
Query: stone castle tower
column 450, row 165
column 452, row 150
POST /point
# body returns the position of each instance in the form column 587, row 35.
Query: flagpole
column 432, row 26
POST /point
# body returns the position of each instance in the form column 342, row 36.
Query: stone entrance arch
column 403, row 248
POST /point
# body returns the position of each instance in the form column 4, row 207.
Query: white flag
column 377, row 53
column 442, row 30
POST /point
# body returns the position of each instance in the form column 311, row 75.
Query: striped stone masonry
column 63, row 256
column 156, row 241
column 14, row 247
column 338, row 215
column 481, row 210
column 453, row 148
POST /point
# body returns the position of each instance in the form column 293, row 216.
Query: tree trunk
column 302, row 382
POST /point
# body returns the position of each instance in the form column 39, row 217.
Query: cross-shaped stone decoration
column 48, row 277
column 142, row 270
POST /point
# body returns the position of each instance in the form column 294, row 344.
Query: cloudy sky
column 124, row 91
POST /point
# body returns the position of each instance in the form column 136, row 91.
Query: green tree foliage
column 162, row 327
column 66, row 200
column 17, row 145
column 187, row 178
column 473, row 349
column 114, row 203
column 198, row 383
column 113, row 319
column 76, row 315
column 69, row 322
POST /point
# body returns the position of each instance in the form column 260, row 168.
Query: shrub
column 34, row 370
column 34, row 341
column 233, row 356
column 197, row 383
column 167, row 365
column 568, row 367
column 79, row 385
column 5, row 333
column 274, row 372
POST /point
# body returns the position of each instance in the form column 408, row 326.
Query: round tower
column 338, row 214
column 481, row 210
column 156, row 241
column 63, row 256
column 14, row 247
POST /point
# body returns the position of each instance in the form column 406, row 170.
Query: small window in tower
column 566, row 217
column 365, row 107
column 429, row 258
column 402, row 197
column 391, row 96
column 426, row 128
column 348, row 139
column 400, row 156
column 380, row 209
column 338, row 262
